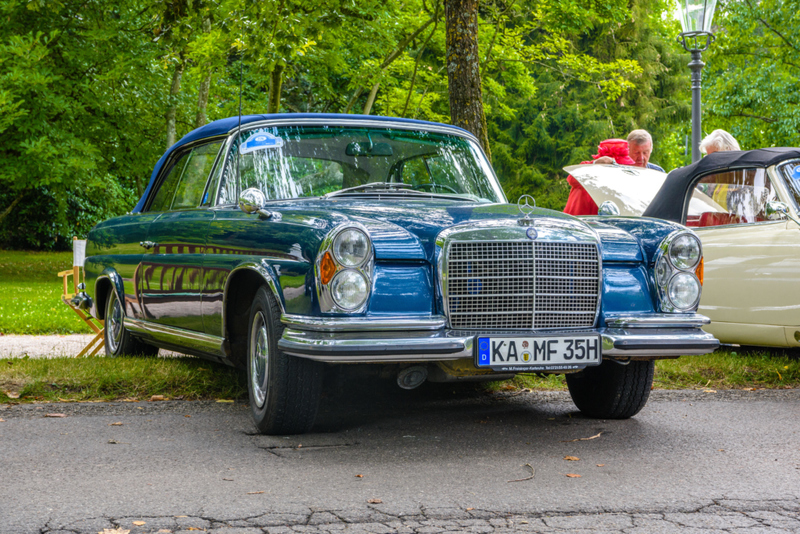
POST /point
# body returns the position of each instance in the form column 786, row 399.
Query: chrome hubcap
column 115, row 324
column 259, row 359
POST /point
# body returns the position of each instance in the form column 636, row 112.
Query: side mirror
column 608, row 208
column 252, row 201
column 776, row 211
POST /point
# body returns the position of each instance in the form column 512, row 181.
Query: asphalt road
column 438, row 459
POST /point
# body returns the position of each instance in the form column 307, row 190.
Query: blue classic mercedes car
column 285, row 244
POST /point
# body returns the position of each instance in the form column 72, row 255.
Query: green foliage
column 752, row 80
column 85, row 87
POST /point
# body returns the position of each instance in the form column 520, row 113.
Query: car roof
column 223, row 126
column 669, row 202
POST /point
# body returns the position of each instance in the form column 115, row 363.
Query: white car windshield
column 313, row 161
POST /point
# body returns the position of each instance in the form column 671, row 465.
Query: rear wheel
column 611, row 390
column 284, row 390
column 118, row 341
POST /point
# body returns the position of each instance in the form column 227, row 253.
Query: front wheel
column 284, row 390
column 118, row 341
column 611, row 390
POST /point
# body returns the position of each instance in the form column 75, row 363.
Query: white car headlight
column 351, row 247
column 684, row 291
column 684, row 251
column 663, row 271
column 349, row 289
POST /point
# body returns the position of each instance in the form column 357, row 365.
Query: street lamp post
column 695, row 17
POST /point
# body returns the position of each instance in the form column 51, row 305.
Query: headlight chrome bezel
column 668, row 271
column 364, row 267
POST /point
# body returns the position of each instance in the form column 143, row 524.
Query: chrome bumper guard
column 349, row 340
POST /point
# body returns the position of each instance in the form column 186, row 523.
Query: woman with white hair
column 718, row 141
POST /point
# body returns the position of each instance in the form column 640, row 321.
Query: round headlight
column 349, row 289
column 684, row 291
column 663, row 271
column 684, row 252
column 351, row 247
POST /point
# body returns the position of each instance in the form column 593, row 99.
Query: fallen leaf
column 187, row 415
column 600, row 465
column 571, row 458
column 709, row 391
column 359, row 476
column 55, row 415
column 469, row 509
column 155, row 398
column 721, row 450
column 12, row 395
column 193, row 528
column 164, row 531
column 228, row 479
column 116, row 424
column 224, row 400
column 114, row 531
column 115, row 442
column 300, row 446
column 2, row 420
column 375, row 501
column 139, row 523
column 583, row 439
column 255, row 492
column 573, row 475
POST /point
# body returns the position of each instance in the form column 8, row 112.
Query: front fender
column 108, row 280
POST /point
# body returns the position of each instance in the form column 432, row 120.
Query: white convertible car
column 745, row 206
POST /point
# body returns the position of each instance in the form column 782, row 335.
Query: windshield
column 312, row 161
column 791, row 175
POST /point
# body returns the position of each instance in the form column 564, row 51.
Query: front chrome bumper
column 347, row 340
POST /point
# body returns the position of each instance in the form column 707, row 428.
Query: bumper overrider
column 361, row 340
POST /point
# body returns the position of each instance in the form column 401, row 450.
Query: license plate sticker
column 501, row 353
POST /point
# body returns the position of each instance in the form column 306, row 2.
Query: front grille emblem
column 532, row 233
column 526, row 205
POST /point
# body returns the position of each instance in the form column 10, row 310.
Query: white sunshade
column 630, row 188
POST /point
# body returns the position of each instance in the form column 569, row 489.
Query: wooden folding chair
column 98, row 326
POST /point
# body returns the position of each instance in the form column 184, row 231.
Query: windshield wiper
column 372, row 186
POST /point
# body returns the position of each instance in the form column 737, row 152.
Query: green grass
column 724, row 369
column 30, row 294
column 108, row 379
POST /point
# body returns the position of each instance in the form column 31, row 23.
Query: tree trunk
column 371, row 98
column 172, row 110
column 275, row 83
column 202, row 92
column 10, row 208
column 463, row 69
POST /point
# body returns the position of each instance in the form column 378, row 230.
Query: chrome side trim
column 361, row 324
column 176, row 336
column 666, row 320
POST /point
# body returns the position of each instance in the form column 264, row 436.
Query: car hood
column 632, row 189
column 407, row 230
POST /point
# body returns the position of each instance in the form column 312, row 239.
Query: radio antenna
column 241, row 85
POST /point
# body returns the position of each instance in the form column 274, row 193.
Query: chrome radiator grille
column 521, row 285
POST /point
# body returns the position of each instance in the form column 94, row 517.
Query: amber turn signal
column 698, row 271
column 327, row 268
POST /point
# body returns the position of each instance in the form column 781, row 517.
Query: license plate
column 503, row 353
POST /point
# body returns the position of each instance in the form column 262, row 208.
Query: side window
column 791, row 172
column 185, row 182
column 732, row 197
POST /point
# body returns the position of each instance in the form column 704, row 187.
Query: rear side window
column 185, row 182
column 732, row 197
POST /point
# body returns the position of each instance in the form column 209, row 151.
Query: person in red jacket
column 579, row 201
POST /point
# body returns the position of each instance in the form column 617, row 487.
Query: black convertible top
column 671, row 199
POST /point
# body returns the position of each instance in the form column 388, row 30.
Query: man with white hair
column 640, row 146
column 718, row 141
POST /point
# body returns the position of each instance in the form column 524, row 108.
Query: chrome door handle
column 148, row 244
